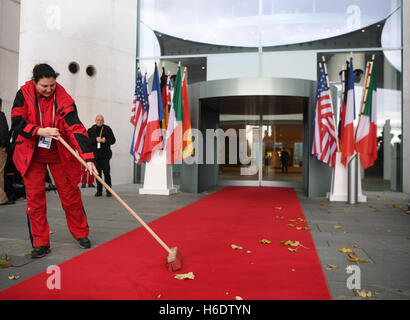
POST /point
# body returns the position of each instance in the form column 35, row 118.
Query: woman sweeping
column 43, row 111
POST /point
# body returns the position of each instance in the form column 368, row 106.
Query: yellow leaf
column 189, row 275
column 353, row 257
column 363, row 261
column 238, row 298
column 278, row 208
column 159, row 296
column 331, row 267
column 295, row 244
column 345, row 250
column 265, row 241
column 379, row 229
column 354, row 245
column 292, row 250
column 248, row 251
column 298, row 228
column 307, row 228
column 235, row 247
column 290, row 225
column 292, row 220
column 397, row 206
column 337, row 227
column 301, row 220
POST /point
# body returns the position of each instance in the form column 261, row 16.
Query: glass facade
column 233, row 39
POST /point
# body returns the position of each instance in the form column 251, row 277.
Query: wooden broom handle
column 162, row 243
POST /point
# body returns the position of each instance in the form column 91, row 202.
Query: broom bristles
column 174, row 260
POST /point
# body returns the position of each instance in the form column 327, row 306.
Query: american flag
column 324, row 140
column 139, row 116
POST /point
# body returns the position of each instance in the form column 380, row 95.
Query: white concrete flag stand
column 158, row 175
column 339, row 185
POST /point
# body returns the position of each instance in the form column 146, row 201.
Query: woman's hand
column 91, row 168
column 48, row 132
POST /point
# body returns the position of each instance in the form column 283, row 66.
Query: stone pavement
column 379, row 228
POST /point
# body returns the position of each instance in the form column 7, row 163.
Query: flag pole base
column 158, row 176
column 339, row 185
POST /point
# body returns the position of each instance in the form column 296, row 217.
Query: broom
column 174, row 259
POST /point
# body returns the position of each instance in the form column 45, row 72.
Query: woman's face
column 46, row 86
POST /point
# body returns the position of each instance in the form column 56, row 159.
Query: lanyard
column 39, row 111
column 102, row 128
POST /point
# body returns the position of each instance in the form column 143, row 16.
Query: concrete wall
column 9, row 52
column 406, row 96
column 101, row 33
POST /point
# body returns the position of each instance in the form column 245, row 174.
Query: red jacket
column 26, row 122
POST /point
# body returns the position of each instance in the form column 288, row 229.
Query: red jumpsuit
column 31, row 160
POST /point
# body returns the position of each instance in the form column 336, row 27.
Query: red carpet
column 132, row 265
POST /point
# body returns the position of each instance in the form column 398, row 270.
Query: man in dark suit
column 4, row 145
column 101, row 138
column 284, row 158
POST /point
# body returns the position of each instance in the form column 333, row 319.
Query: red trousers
column 84, row 174
column 70, row 197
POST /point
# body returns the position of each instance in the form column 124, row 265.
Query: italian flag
column 366, row 133
column 187, row 145
column 173, row 136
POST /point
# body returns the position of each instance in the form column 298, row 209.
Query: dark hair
column 43, row 70
column 1, row 102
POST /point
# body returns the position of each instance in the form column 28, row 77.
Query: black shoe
column 109, row 194
column 83, row 186
column 98, row 194
column 40, row 252
column 85, row 243
column 8, row 202
column 91, row 186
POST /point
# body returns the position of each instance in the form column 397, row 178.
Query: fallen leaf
column 376, row 210
column 238, row 298
column 399, row 290
column 292, row 250
column 4, row 264
column 248, row 251
column 322, row 204
column 292, row 220
column 345, row 250
column 291, row 225
column 363, row 293
column 307, row 228
column 301, row 220
column 189, row 275
column 278, row 208
column 293, row 270
column 159, row 296
column 379, row 229
column 298, row 228
column 347, row 212
column 363, row 261
column 331, row 267
column 353, row 257
column 397, row 206
column 354, row 245
column 337, row 227
column 235, row 247
column 13, row 277
column 265, row 241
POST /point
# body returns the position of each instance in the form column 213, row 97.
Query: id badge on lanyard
column 45, row 142
column 99, row 143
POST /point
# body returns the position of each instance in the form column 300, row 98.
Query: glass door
column 282, row 142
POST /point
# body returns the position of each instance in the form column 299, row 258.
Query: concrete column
column 9, row 52
column 98, row 33
column 406, row 95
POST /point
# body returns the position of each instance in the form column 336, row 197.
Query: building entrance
column 263, row 140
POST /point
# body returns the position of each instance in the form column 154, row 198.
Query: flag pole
column 331, row 101
column 342, row 97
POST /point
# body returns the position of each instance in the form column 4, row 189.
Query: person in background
column 4, row 146
column 284, row 159
column 42, row 112
column 101, row 138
